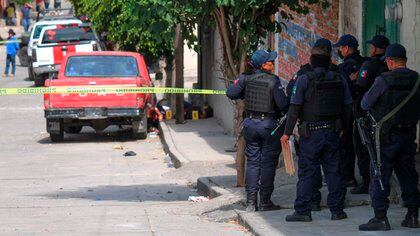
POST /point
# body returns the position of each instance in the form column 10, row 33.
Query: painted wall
column 298, row 37
column 410, row 32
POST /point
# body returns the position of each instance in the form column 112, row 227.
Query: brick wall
column 301, row 33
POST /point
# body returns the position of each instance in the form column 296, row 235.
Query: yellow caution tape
column 10, row 41
column 104, row 90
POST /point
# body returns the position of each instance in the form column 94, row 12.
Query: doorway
column 378, row 18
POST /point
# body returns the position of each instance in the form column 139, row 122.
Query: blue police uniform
column 262, row 148
column 397, row 154
column 320, row 147
column 397, row 141
column 350, row 65
column 316, row 196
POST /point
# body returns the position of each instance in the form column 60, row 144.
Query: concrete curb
column 208, row 188
column 169, row 145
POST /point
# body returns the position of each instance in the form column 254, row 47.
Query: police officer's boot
column 251, row 202
column 338, row 215
column 296, row 217
column 362, row 188
column 378, row 223
column 412, row 218
column 266, row 204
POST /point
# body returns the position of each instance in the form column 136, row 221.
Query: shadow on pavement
column 129, row 193
column 88, row 135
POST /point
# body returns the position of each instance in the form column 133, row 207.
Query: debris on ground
column 130, row 154
column 198, row 199
column 169, row 192
column 118, row 147
column 169, row 161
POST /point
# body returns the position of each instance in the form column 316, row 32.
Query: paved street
column 85, row 186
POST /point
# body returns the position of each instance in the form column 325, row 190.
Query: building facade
column 397, row 19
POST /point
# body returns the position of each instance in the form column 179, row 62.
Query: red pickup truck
column 68, row 113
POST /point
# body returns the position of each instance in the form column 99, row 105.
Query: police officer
column 264, row 102
column 397, row 140
column 320, row 99
column 370, row 69
column 352, row 61
column 325, row 43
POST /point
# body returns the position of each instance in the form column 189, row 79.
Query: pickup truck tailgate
column 133, row 100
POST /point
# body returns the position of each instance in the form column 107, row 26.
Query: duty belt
column 321, row 126
column 260, row 115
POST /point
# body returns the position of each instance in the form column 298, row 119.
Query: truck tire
column 31, row 76
column 73, row 129
column 140, row 127
column 39, row 80
column 58, row 134
column 23, row 56
column 57, row 138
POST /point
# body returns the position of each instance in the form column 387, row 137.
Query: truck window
column 72, row 34
column 37, row 30
column 101, row 66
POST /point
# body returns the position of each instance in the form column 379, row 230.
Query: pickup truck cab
column 68, row 113
column 36, row 33
column 56, row 42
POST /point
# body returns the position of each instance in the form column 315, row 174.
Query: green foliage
column 148, row 25
column 21, row 2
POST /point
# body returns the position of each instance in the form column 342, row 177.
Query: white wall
column 410, row 32
column 223, row 108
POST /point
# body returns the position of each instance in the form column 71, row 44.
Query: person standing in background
column 11, row 51
column 57, row 4
column 10, row 15
column 26, row 16
column 39, row 5
column 47, row 4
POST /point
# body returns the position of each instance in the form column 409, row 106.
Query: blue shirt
column 302, row 83
column 26, row 12
column 12, row 47
column 237, row 91
column 378, row 88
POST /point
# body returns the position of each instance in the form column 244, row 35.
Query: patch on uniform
column 363, row 74
column 294, row 90
column 295, row 77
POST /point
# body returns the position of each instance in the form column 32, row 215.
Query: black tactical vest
column 259, row 93
column 323, row 98
column 399, row 86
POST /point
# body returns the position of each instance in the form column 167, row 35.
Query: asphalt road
column 85, row 186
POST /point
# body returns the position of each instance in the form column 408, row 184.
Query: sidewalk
column 205, row 141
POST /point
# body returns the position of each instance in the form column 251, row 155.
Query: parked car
column 36, row 33
column 68, row 113
column 57, row 41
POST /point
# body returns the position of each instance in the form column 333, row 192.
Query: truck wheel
column 23, row 56
column 73, row 129
column 31, row 73
column 140, row 128
column 56, row 138
column 39, row 80
column 55, row 128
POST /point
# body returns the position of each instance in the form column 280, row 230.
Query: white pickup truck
column 56, row 42
column 36, row 33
